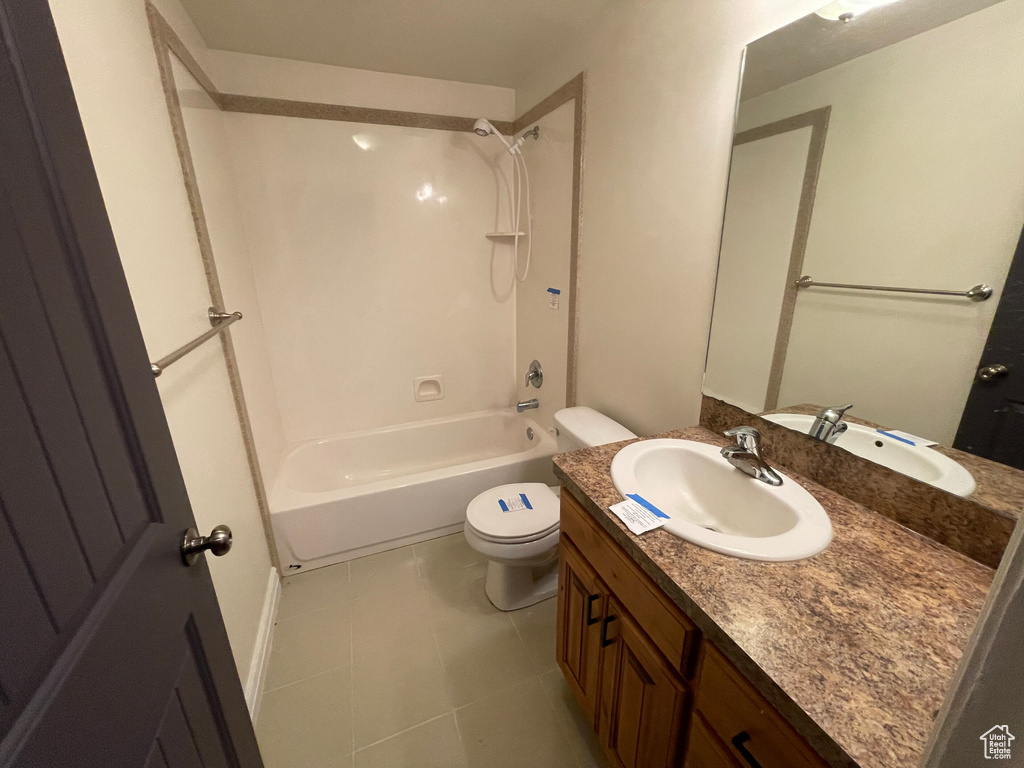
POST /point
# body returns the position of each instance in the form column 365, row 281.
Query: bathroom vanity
column 681, row 656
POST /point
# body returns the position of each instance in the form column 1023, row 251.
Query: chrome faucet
column 829, row 424
column 527, row 405
column 745, row 455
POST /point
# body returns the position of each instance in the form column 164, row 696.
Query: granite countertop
column 855, row 646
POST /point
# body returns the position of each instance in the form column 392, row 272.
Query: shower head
column 483, row 127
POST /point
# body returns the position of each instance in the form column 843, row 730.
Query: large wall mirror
column 871, row 254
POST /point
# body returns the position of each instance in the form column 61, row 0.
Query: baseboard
column 264, row 641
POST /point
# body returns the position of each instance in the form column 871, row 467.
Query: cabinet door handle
column 738, row 741
column 590, row 610
column 605, row 642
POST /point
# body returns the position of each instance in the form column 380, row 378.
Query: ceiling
column 473, row 41
column 813, row 44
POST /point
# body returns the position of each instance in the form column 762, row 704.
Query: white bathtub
column 356, row 494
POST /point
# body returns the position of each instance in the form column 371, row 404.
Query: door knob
column 989, row 372
column 218, row 542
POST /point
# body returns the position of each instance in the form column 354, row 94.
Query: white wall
column 922, row 185
column 113, row 69
column 765, row 186
column 661, row 91
column 251, row 75
column 364, row 286
column 541, row 332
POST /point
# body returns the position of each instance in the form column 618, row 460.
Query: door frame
column 817, row 121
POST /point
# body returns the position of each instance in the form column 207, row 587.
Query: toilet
column 515, row 526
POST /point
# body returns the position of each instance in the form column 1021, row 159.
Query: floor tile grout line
column 311, row 610
column 496, row 691
column 282, row 619
column 451, row 699
column 307, row 678
column 396, row 734
column 561, row 724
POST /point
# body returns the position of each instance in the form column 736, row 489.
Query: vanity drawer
column 704, row 749
column 672, row 633
column 746, row 724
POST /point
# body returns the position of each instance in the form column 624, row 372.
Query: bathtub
column 356, row 494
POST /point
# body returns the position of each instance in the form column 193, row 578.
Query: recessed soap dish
column 428, row 388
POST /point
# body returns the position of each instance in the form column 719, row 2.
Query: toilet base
column 511, row 587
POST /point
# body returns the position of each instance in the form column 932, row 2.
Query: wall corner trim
column 260, row 662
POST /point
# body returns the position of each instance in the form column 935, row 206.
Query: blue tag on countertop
column 639, row 514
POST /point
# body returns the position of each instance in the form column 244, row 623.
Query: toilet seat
column 517, row 523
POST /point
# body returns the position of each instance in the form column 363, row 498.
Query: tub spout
column 527, row 405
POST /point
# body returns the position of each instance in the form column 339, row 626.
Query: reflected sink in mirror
column 716, row 506
column 918, row 462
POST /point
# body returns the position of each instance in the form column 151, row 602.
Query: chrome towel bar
column 980, row 292
column 219, row 321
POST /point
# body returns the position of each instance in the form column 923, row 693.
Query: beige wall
column 661, row 90
column 113, row 70
column 541, row 332
column 921, row 185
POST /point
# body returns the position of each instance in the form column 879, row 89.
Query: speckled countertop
column 854, row 646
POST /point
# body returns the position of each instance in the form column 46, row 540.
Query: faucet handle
column 834, row 414
column 747, row 438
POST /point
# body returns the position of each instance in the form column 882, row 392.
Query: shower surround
column 364, row 243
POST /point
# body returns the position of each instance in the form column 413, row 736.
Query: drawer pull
column 605, row 642
column 738, row 741
column 590, row 610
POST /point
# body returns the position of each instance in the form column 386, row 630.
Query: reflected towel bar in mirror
column 979, row 292
column 219, row 321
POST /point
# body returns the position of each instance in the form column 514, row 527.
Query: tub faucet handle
column 535, row 375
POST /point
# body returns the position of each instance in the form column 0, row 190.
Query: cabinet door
column 582, row 601
column 643, row 700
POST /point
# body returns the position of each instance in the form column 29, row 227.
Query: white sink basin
column 716, row 506
column 920, row 463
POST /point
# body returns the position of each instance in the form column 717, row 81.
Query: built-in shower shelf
column 499, row 235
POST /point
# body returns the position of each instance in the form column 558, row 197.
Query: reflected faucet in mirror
column 829, row 425
column 745, row 455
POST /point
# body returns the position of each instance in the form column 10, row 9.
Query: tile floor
column 399, row 660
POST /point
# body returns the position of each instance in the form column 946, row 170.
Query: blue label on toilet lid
column 515, row 503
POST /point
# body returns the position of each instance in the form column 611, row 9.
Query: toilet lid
column 514, row 513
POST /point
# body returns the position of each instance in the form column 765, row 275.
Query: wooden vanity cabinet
column 628, row 655
column 582, row 601
column 704, row 750
column 642, row 709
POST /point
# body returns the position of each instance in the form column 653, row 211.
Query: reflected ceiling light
column 844, row 10
column 425, row 192
column 363, row 140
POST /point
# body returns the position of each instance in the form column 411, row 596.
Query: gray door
column 993, row 422
column 112, row 652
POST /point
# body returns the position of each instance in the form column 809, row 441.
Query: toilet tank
column 582, row 427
